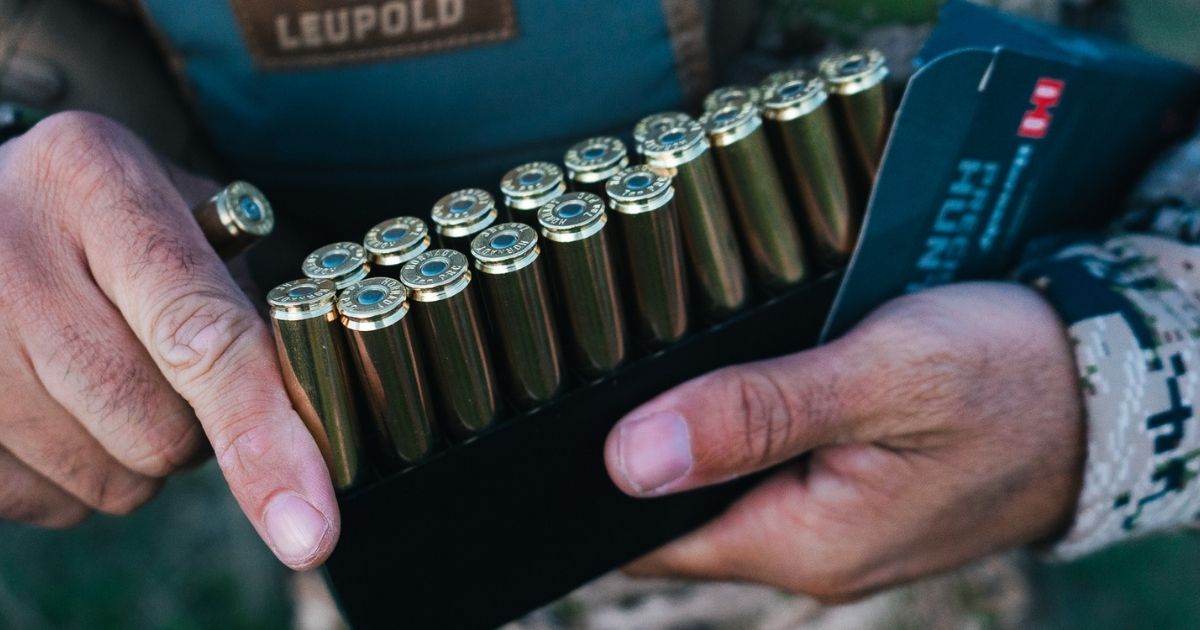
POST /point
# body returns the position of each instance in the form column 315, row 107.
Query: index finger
column 151, row 260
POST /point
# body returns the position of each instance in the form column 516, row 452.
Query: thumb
column 734, row 422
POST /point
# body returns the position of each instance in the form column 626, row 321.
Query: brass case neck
column 344, row 263
column 856, row 71
column 638, row 190
column 530, row 186
column 728, row 125
column 595, row 159
column 388, row 250
column 303, row 299
column 436, row 275
column 505, row 248
column 373, row 304
column 655, row 124
column 572, row 217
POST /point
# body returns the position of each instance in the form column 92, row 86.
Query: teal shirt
column 425, row 122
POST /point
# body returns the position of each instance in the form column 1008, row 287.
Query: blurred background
column 190, row 560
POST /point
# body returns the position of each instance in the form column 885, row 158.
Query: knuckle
column 94, row 171
column 202, row 335
column 765, row 413
column 76, row 125
column 72, row 149
column 237, row 444
column 104, row 485
column 167, row 447
column 119, row 492
column 115, row 386
column 905, row 327
column 914, row 357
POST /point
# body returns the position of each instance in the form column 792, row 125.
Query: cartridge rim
column 854, row 71
column 344, row 263
column 435, row 275
column 734, row 95
column 791, row 94
column 243, row 209
column 675, row 145
column 463, row 212
column 531, row 185
column 397, row 241
column 729, row 124
column 505, row 248
column 639, row 189
column 302, row 299
column 373, row 304
column 572, row 217
column 595, row 159
column 655, row 124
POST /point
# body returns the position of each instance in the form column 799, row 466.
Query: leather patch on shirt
column 303, row 33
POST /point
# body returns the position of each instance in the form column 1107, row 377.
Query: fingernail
column 295, row 528
column 654, row 451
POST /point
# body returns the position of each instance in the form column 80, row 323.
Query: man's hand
column 119, row 329
column 944, row 427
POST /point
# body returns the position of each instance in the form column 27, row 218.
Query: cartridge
column 643, row 204
column 517, row 296
column 312, row 356
column 383, row 346
column 452, row 336
column 579, row 249
column 235, row 218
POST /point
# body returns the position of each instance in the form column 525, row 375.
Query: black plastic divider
column 512, row 519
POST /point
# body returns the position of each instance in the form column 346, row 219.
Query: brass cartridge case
column 732, row 95
column 643, row 204
column 235, row 218
column 343, row 263
column 804, row 134
column 394, row 242
column 855, row 81
column 383, row 346
column 450, row 320
column 312, row 355
column 655, row 124
column 760, row 203
column 578, row 245
column 508, row 263
column 460, row 215
column 717, row 271
column 528, row 187
column 590, row 163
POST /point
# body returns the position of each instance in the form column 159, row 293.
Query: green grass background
column 187, row 560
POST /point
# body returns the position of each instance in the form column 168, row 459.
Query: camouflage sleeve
column 1131, row 303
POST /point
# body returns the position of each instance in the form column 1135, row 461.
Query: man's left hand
column 944, row 427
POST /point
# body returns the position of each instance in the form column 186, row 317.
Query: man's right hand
column 125, row 343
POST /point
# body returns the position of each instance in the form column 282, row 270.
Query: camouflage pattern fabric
column 1131, row 304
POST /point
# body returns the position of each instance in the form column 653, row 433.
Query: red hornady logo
column 1046, row 95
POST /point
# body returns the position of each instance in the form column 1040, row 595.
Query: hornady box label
column 998, row 142
column 300, row 33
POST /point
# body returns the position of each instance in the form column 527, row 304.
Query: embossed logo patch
column 299, row 33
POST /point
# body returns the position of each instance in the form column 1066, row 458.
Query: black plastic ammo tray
column 494, row 527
